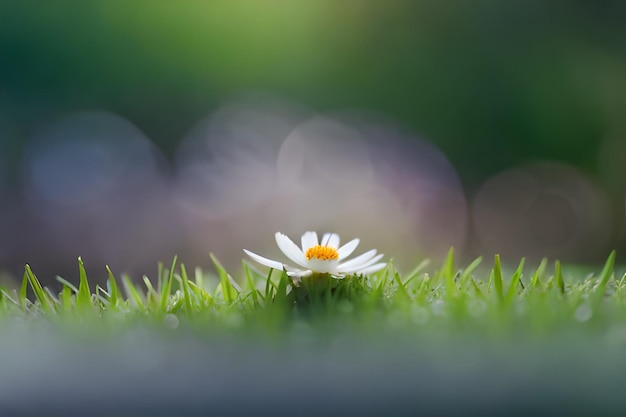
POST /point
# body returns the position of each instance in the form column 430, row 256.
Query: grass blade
column 83, row 297
column 558, row 277
column 166, row 290
column 23, row 296
column 133, row 292
column 38, row 290
column 468, row 271
column 605, row 276
column 229, row 291
column 536, row 279
column 115, row 297
column 416, row 271
column 448, row 274
column 497, row 276
column 515, row 280
column 186, row 292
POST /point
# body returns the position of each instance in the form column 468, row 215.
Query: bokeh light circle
column 86, row 156
column 543, row 209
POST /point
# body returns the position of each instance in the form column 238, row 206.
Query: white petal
column 338, row 276
column 359, row 260
column 326, row 267
column 330, row 239
column 347, row 249
column 300, row 274
column 372, row 269
column 290, row 249
column 309, row 239
column 361, row 265
column 264, row 261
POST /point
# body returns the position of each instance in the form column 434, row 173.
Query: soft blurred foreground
column 139, row 373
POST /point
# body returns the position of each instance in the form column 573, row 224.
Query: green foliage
column 439, row 301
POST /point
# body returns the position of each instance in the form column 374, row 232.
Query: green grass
column 478, row 299
column 482, row 339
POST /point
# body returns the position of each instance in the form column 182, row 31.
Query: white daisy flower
column 321, row 257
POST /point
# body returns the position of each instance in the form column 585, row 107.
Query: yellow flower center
column 323, row 253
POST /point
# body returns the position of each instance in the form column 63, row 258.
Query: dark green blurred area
column 491, row 83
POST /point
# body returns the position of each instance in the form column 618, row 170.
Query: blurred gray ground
column 163, row 373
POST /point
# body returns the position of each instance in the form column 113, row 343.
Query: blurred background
column 130, row 132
